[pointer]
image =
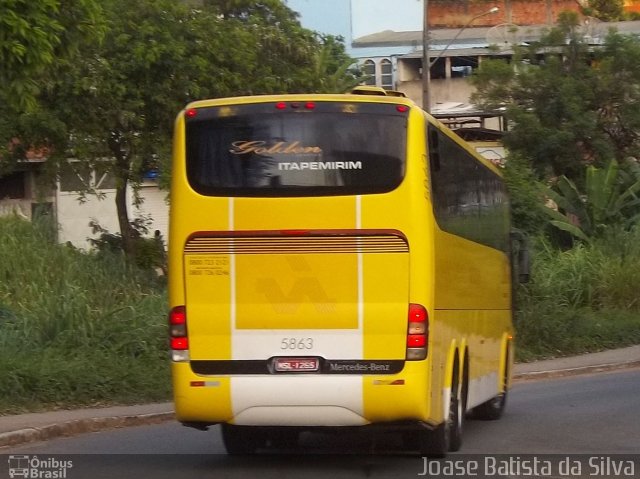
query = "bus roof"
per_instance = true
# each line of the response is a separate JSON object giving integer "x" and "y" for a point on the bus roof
{"x": 358, "y": 94}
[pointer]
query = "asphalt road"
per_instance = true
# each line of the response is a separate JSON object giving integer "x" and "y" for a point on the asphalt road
{"x": 593, "y": 415}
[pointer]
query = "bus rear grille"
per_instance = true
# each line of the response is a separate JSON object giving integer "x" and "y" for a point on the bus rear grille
{"x": 297, "y": 245}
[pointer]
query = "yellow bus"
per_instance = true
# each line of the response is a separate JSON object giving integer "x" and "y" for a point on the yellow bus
{"x": 335, "y": 261}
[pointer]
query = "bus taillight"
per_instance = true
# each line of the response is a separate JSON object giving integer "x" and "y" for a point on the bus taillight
{"x": 309, "y": 105}
{"x": 417, "y": 332}
{"x": 178, "y": 333}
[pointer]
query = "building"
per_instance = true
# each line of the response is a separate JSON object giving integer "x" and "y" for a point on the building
{"x": 632, "y": 6}
{"x": 22, "y": 193}
{"x": 459, "y": 30}
{"x": 461, "y": 34}
{"x": 455, "y": 54}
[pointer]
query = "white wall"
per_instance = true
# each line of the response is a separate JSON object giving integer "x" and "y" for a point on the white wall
{"x": 74, "y": 216}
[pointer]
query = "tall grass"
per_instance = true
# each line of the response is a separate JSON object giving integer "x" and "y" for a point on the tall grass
{"x": 581, "y": 300}
{"x": 76, "y": 328}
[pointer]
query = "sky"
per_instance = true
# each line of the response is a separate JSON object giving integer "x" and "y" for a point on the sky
{"x": 372, "y": 16}
{"x": 368, "y": 16}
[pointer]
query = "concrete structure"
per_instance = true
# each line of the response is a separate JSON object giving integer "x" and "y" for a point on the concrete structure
{"x": 21, "y": 194}
{"x": 455, "y": 53}
{"x": 632, "y": 6}
{"x": 456, "y": 13}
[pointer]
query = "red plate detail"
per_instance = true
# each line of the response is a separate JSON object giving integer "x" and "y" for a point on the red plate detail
{"x": 298, "y": 365}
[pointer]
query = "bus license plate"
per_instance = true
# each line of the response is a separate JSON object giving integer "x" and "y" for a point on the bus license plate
{"x": 296, "y": 364}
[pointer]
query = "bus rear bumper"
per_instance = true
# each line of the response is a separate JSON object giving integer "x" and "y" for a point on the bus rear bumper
{"x": 301, "y": 416}
{"x": 301, "y": 400}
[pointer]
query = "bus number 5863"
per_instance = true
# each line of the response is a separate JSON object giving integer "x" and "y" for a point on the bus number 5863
{"x": 296, "y": 343}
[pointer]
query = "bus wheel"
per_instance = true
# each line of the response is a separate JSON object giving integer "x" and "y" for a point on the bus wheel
{"x": 459, "y": 404}
{"x": 494, "y": 407}
{"x": 448, "y": 435}
{"x": 282, "y": 437}
{"x": 240, "y": 440}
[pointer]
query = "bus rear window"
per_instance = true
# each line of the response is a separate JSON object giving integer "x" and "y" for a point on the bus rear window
{"x": 264, "y": 150}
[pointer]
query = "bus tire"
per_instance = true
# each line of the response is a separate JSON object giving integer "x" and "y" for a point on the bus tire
{"x": 460, "y": 404}
{"x": 241, "y": 440}
{"x": 282, "y": 437}
{"x": 448, "y": 435}
{"x": 493, "y": 409}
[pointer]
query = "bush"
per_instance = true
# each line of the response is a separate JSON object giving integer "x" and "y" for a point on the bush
{"x": 581, "y": 300}
{"x": 76, "y": 328}
{"x": 526, "y": 196}
{"x": 149, "y": 252}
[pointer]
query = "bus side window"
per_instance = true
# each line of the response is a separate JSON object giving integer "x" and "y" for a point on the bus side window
{"x": 434, "y": 149}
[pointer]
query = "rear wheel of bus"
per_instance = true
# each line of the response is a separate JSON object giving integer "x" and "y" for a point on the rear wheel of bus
{"x": 448, "y": 435}
{"x": 240, "y": 440}
{"x": 248, "y": 439}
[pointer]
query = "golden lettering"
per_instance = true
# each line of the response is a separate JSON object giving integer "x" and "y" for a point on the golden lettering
{"x": 281, "y": 147}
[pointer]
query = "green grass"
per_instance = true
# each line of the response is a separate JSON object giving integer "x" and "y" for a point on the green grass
{"x": 581, "y": 300}
{"x": 76, "y": 329}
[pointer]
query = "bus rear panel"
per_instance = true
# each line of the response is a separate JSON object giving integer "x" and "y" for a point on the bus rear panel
{"x": 303, "y": 267}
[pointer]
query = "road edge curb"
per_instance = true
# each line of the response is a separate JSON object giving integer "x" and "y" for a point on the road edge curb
{"x": 559, "y": 373}
{"x": 80, "y": 426}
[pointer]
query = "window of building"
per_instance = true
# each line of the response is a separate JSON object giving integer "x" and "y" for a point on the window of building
{"x": 12, "y": 186}
{"x": 386, "y": 74}
{"x": 369, "y": 70}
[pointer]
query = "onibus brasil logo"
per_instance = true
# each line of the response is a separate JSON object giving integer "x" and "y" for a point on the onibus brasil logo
{"x": 32, "y": 467}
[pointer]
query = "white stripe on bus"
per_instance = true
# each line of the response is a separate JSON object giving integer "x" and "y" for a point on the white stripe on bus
{"x": 232, "y": 279}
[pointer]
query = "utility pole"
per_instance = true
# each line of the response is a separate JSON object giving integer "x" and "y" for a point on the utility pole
{"x": 426, "y": 61}
{"x": 426, "y": 58}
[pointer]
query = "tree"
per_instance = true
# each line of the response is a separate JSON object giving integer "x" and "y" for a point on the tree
{"x": 278, "y": 50}
{"x": 333, "y": 71}
{"x": 525, "y": 196}
{"x": 606, "y": 10}
{"x": 36, "y": 38}
{"x": 569, "y": 105}
{"x": 36, "y": 35}
{"x": 117, "y": 103}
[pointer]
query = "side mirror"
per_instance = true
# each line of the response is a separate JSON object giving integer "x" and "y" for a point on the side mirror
{"x": 520, "y": 256}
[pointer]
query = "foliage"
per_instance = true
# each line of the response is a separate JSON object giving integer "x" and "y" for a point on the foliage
{"x": 36, "y": 39}
{"x": 606, "y": 10}
{"x": 333, "y": 71}
{"x": 76, "y": 328}
{"x": 526, "y": 196}
{"x": 35, "y": 36}
{"x": 115, "y": 104}
{"x": 581, "y": 300}
{"x": 608, "y": 201}
{"x": 569, "y": 105}
{"x": 150, "y": 251}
